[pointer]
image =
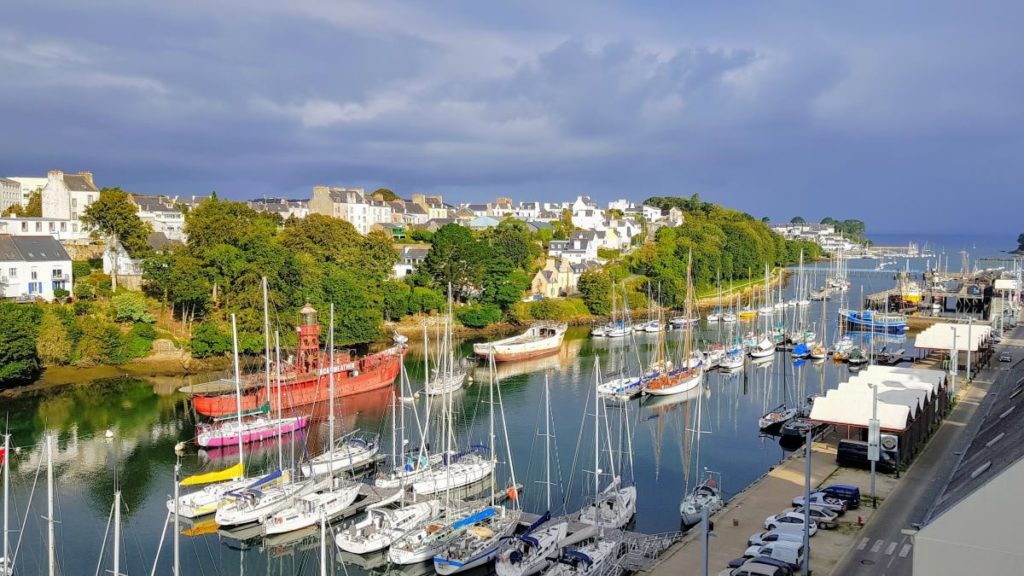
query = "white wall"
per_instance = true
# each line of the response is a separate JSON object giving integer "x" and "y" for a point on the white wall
{"x": 62, "y": 230}
{"x": 980, "y": 534}
{"x": 18, "y": 279}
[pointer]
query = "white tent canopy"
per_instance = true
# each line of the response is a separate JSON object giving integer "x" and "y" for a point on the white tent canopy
{"x": 935, "y": 378}
{"x": 940, "y": 337}
{"x": 851, "y": 406}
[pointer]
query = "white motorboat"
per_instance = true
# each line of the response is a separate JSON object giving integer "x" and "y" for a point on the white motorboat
{"x": 541, "y": 339}
{"x": 623, "y": 387}
{"x": 309, "y": 509}
{"x": 764, "y": 349}
{"x": 382, "y": 526}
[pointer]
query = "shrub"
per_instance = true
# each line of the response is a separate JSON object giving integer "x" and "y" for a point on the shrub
{"x": 85, "y": 290}
{"x": 209, "y": 340}
{"x": 143, "y": 330}
{"x": 479, "y": 315}
{"x": 18, "y": 359}
{"x": 80, "y": 269}
{"x": 424, "y": 300}
{"x": 82, "y": 308}
{"x": 130, "y": 307}
{"x": 608, "y": 253}
{"x": 101, "y": 343}
{"x": 596, "y": 288}
{"x": 560, "y": 309}
{"x": 53, "y": 344}
{"x": 60, "y": 293}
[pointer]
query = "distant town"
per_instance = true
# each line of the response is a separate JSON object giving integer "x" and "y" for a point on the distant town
{"x": 32, "y": 271}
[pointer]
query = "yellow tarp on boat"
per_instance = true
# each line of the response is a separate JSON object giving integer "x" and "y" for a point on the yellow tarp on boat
{"x": 235, "y": 471}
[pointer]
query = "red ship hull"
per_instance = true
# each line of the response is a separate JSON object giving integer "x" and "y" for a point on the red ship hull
{"x": 370, "y": 373}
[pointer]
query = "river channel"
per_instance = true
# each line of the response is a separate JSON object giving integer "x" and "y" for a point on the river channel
{"x": 146, "y": 417}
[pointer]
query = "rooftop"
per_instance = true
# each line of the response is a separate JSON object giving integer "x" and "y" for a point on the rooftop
{"x": 31, "y": 249}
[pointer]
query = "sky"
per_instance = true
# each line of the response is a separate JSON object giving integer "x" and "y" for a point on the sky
{"x": 907, "y": 115}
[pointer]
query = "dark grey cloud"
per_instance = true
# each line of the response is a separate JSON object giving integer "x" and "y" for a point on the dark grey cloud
{"x": 902, "y": 115}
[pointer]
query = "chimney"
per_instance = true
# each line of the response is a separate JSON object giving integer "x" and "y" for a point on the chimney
{"x": 55, "y": 176}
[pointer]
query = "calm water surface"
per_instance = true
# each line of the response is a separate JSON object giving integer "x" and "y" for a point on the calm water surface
{"x": 149, "y": 417}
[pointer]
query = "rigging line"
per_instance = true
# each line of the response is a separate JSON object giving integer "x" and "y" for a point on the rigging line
{"x": 575, "y": 458}
{"x": 21, "y": 533}
{"x": 103, "y": 544}
{"x": 160, "y": 546}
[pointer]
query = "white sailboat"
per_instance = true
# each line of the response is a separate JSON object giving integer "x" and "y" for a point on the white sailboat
{"x": 308, "y": 509}
{"x": 406, "y": 467}
{"x": 707, "y": 495}
{"x": 381, "y": 526}
{"x": 613, "y": 506}
{"x": 479, "y": 543}
{"x": 353, "y": 450}
{"x": 448, "y": 377}
{"x": 528, "y": 553}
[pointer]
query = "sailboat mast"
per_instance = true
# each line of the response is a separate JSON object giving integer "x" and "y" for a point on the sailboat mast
{"x": 597, "y": 442}
{"x": 238, "y": 389}
{"x": 51, "y": 550}
{"x": 266, "y": 340}
{"x": 330, "y": 415}
{"x": 547, "y": 448}
{"x": 7, "y": 495}
{"x": 494, "y": 461}
{"x": 277, "y": 369}
{"x": 177, "y": 496}
{"x": 117, "y": 532}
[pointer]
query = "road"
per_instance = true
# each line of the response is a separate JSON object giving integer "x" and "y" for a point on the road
{"x": 885, "y": 547}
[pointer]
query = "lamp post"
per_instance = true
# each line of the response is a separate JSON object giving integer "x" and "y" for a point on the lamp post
{"x": 874, "y": 433}
{"x": 970, "y": 324}
{"x": 807, "y": 503}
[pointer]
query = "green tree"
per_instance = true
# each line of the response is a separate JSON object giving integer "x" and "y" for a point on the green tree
{"x": 455, "y": 258}
{"x": 386, "y": 194}
{"x": 1020, "y": 242}
{"x": 209, "y": 340}
{"x": 511, "y": 239}
{"x": 798, "y": 220}
{"x": 356, "y": 318}
{"x": 215, "y": 222}
{"x": 595, "y": 286}
{"x": 18, "y": 359}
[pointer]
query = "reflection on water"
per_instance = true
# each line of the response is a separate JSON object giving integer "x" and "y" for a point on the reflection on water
{"x": 147, "y": 418}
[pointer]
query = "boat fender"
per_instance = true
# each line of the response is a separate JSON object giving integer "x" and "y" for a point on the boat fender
{"x": 355, "y": 373}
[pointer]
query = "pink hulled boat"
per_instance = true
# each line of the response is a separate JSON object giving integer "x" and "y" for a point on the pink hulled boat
{"x": 226, "y": 433}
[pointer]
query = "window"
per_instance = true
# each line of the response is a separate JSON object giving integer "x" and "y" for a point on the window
{"x": 34, "y": 275}
{"x": 24, "y": 226}
{"x": 63, "y": 226}
{"x": 57, "y": 273}
{"x": 13, "y": 272}
{"x": 74, "y": 202}
{"x": 39, "y": 226}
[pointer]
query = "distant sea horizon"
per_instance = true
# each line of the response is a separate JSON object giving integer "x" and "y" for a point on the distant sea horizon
{"x": 977, "y": 245}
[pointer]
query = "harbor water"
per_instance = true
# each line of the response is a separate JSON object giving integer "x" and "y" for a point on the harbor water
{"x": 653, "y": 443}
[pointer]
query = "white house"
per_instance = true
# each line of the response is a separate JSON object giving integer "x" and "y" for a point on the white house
{"x": 621, "y": 204}
{"x": 527, "y": 211}
{"x": 625, "y": 230}
{"x": 33, "y": 267}
{"x": 162, "y": 215}
{"x": 580, "y": 247}
{"x": 66, "y": 196}
{"x": 408, "y": 213}
{"x": 351, "y": 205}
{"x": 586, "y": 214}
{"x": 651, "y": 213}
{"x": 28, "y": 184}
{"x": 64, "y": 230}
{"x": 409, "y": 258}
{"x": 10, "y": 193}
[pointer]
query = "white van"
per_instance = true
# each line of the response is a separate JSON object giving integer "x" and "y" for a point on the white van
{"x": 791, "y": 553}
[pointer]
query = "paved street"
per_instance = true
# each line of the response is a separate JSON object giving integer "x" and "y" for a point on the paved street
{"x": 885, "y": 548}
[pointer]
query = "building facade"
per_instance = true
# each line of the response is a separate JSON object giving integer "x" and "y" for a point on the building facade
{"x": 351, "y": 205}
{"x": 66, "y": 196}
{"x": 33, "y": 267}
{"x": 10, "y": 193}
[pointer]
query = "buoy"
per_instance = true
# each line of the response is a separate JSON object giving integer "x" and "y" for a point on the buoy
{"x": 513, "y": 494}
{"x": 109, "y": 433}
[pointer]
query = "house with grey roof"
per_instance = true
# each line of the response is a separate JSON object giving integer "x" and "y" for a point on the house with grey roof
{"x": 66, "y": 196}
{"x": 33, "y": 267}
{"x": 409, "y": 259}
{"x": 283, "y": 207}
{"x": 162, "y": 214}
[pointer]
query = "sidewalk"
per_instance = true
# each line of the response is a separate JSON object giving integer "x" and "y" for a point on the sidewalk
{"x": 745, "y": 515}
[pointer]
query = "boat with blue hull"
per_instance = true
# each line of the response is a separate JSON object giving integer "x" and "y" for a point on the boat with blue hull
{"x": 871, "y": 321}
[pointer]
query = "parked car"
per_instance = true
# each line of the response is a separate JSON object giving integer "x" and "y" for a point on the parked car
{"x": 824, "y": 501}
{"x": 846, "y": 492}
{"x": 737, "y": 562}
{"x": 769, "y": 536}
{"x": 789, "y": 522}
{"x": 1005, "y": 357}
{"x": 756, "y": 567}
{"x": 825, "y": 518}
{"x": 792, "y": 553}
{"x": 854, "y": 454}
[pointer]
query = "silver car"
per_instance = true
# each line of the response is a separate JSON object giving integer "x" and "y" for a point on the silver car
{"x": 823, "y": 500}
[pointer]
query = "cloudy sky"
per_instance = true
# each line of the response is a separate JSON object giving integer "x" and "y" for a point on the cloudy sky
{"x": 910, "y": 117}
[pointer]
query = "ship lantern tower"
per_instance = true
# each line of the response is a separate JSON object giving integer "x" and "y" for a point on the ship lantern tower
{"x": 309, "y": 340}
